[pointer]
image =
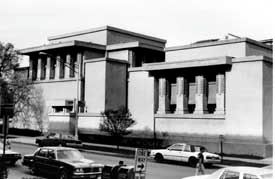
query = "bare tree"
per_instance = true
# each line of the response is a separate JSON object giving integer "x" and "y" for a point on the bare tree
{"x": 116, "y": 123}
{"x": 17, "y": 88}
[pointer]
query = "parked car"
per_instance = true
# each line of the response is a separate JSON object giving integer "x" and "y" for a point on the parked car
{"x": 63, "y": 162}
{"x": 237, "y": 173}
{"x": 185, "y": 153}
{"x": 57, "y": 139}
{"x": 11, "y": 157}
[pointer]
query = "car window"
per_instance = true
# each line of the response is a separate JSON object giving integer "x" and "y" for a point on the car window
{"x": 187, "y": 148}
{"x": 249, "y": 176}
{"x": 42, "y": 153}
{"x": 230, "y": 175}
{"x": 51, "y": 154}
{"x": 176, "y": 147}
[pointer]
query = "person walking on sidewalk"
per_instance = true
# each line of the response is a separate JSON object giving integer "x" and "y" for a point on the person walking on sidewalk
{"x": 200, "y": 165}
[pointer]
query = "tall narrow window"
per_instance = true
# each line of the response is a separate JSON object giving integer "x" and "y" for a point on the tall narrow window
{"x": 73, "y": 65}
{"x": 52, "y": 68}
{"x": 211, "y": 103}
{"x": 192, "y": 92}
{"x": 62, "y": 67}
{"x": 43, "y": 68}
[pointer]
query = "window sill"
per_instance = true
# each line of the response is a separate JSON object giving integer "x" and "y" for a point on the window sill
{"x": 191, "y": 116}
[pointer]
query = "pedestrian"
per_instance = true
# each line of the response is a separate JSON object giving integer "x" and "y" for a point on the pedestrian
{"x": 200, "y": 165}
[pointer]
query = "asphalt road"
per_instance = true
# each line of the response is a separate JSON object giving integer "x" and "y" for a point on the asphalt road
{"x": 166, "y": 170}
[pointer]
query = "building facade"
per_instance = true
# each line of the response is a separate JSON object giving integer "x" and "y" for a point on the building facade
{"x": 195, "y": 93}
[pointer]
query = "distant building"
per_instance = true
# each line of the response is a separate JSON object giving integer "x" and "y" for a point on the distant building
{"x": 195, "y": 92}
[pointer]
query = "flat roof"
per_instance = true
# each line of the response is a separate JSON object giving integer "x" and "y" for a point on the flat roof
{"x": 62, "y": 45}
{"x": 106, "y": 28}
{"x": 219, "y": 42}
{"x": 133, "y": 45}
{"x": 224, "y": 60}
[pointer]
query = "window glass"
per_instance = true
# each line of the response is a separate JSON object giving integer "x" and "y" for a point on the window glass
{"x": 176, "y": 147}
{"x": 249, "y": 176}
{"x": 51, "y": 154}
{"x": 43, "y": 153}
{"x": 230, "y": 175}
{"x": 187, "y": 148}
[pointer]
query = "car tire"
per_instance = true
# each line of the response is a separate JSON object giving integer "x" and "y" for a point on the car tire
{"x": 193, "y": 162}
{"x": 159, "y": 157}
{"x": 33, "y": 170}
{"x": 63, "y": 175}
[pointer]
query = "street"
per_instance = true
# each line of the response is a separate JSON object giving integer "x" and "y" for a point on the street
{"x": 155, "y": 170}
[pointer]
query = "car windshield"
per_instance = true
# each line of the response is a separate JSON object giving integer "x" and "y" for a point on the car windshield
{"x": 69, "y": 154}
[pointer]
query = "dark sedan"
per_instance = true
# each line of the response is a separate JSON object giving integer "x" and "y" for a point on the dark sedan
{"x": 57, "y": 139}
{"x": 63, "y": 162}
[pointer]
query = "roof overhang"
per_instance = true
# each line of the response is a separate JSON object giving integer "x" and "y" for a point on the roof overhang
{"x": 219, "y": 42}
{"x": 73, "y": 43}
{"x": 130, "y": 45}
{"x": 215, "y": 61}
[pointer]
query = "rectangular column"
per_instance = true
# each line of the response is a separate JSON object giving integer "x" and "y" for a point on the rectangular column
{"x": 31, "y": 73}
{"x": 67, "y": 66}
{"x": 220, "y": 86}
{"x": 78, "y": 75}
{"x": 57, "y": 68}
{"x": 164, "y": 102}
{"x": 201, "y": 95}
{"x": 182, "y": 96}
{"x": 48, "y": 68}
{"x": 39, "y": 69}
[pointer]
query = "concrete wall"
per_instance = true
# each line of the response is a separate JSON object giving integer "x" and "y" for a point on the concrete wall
{"x": 95, "y": 78}
{"x": 267, "y": 101}
{"x": 252, "y": 49}
{"x": 98, "y": 37}
{"x": 190, "y": 125}
{"x": 141, "y": 99}
{"x": 88, "y": 122}
{"x": 116, "y": 37}
{"x": 244, "y": 100}
{"x": 58, "y": 90}
{"x": 116, "y": 85}
{"x": 234, "y": 50}
{"x": 61, "y": 123}
{"x": 122, "y": 54}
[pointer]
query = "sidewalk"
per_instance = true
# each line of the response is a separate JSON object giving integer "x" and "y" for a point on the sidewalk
{"x": 129, "y": 152}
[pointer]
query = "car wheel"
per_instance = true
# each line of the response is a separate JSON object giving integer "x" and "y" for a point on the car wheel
{"x": 33, "y": 170}
{"x": 159, "y": 157}
{"x": 192, "y": 161}
{"x": 63, "y": 175}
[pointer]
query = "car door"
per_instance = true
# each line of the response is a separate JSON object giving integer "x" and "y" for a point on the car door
{"x": 174, "y": 152}
{"x": 186, "y": 153}
{"x": 40, "y": 160}
{"x": 52, "y": 164}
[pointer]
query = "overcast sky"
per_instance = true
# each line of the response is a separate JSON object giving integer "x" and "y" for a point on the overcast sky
{"x": 27, "y": 23}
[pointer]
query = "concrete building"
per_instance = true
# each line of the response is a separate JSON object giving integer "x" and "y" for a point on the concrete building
{"x": 195, "y": 93}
